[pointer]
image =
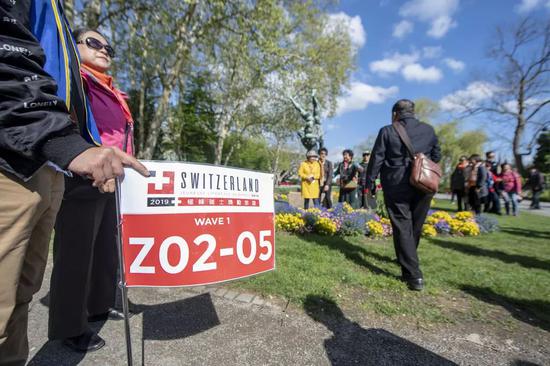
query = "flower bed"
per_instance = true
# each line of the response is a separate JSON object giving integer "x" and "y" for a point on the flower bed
{"x": 345, "y": 221}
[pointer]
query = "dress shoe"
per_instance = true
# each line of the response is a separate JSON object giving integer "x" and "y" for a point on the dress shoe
{"x": 112, "y": 314}
{"x": 88, "y": 341}
{"x": 415, "y": 284}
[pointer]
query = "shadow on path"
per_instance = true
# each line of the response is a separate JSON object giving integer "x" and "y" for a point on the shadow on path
{"x": 353, "y": 252}
{"x": 178, "y": 319}
{"x": 351, "y": 344}
{"x": 533, "y": 312}
{"x": 522, "y": 260}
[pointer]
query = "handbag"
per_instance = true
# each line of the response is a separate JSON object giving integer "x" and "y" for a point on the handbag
{"x": 425, "y": 174}
{"x": 350, "y": 186}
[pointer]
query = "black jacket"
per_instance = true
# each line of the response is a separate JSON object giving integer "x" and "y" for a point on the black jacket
{"x": 390, "y": 158}
{"x": 34, "y": 122}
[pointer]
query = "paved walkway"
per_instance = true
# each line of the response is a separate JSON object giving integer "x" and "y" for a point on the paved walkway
{"x": 523, "y": 205}
{"x": 217, "y": 326}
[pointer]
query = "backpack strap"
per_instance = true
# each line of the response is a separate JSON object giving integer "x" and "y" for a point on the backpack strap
{"x": 400, "y": 129}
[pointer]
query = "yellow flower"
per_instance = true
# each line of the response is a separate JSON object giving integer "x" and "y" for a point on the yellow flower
{"x": 325, "y": 226}
{"x": 455, "y": 225}
{"x": 428, "y": 231}
{"x": 432, "y": 220}
{"x": 385, "y": 221}
{"x": 347, "y": 207}
{"x": 284, "y": 197}
{"x": 464, "y": 216}
{"x": 375, "y": 228}
{"x": 314, "y": 210}
{"x": 470, "y": 229}
{"x": 289, "y": 222}
{"x": 441, "y": 215}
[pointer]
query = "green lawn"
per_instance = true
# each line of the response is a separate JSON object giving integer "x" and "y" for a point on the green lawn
{"x": 466, "y": 277}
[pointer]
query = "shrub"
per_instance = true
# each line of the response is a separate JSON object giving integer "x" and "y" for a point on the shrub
{"x": 487, "y": 224}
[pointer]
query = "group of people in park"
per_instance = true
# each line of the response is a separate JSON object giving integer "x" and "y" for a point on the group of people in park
{"x": 480, "y": 185}
{"x": 317, "y": 174}
{"x": 66, "y": 133}
{"x": 407, "y": 206}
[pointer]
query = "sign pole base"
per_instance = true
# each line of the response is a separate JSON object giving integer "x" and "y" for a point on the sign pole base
{"x": 122, "y": 283}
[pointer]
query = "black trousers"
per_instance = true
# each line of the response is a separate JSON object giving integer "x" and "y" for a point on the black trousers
{"x": 407, "y": 209}
{"x": 84, "y": 275}
{"x": 460, "y": 194}
{"x": 325, "y": 198}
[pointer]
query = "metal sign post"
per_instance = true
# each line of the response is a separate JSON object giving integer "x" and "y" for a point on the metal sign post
{"x": 122, "y": 282}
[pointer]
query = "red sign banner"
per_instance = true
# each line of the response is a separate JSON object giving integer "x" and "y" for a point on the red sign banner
{"x": 193, "y": 224}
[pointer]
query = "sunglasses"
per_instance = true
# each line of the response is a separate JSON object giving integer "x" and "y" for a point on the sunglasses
{"x": 95, "y": 44}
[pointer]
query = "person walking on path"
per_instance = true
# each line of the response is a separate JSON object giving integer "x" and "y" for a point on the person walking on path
{"x": 327, "y": 171}
{"x": 85, "y": 230}
{"x": 310, "y": 174}
{"x": 535, "y": 182}
{"x": 349, "y": 175}
{"x": 39, "y": 144}
{"x": 458, "y": 182}
{"x": 477, "y": 183}
{"x": 407, "y": 206}
{"x": 511, "y": 189}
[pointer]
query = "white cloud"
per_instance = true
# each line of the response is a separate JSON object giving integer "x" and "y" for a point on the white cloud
{"x": 438, "y": 13}
{"x": 527, "y": 5}
{"x": 440, "y": 26}
{"x": 353, "y": 25}
{"x": 454, "y": 65}
{"x": 432, "y": 52}
{"x": 417, "y": 72}
{"x": 402, "y": 28}
{"x": 470, "y": 97}
{"x": 331, "y": 126}
{"x": 394, "y": 63}
{"x": 360, "y": 95}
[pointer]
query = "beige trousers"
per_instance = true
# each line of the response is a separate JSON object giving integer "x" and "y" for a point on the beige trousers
{"x": 27, "y": 216}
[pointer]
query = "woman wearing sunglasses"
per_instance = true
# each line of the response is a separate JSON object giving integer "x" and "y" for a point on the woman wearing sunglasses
{"x": 83, "y": 284}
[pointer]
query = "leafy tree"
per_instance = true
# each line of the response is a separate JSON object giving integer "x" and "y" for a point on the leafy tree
{"x": 455, "y": 143}
{"x": 542, "y": 156}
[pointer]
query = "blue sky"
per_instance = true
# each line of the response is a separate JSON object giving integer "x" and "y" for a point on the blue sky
{"x": 415, "y": 49}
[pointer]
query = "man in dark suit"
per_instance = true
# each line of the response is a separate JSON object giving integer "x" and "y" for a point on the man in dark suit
{"x": 407, "y": 206}
{"x": 327, "y": 172}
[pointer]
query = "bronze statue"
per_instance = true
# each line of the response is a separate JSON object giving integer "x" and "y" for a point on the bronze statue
{"x": 312, "y": 135}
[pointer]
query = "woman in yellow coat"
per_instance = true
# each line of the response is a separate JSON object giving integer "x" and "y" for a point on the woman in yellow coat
{"x": 310, "y": 173}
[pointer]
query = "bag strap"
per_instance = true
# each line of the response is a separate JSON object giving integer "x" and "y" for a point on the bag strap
{"x": 400, "y": 129}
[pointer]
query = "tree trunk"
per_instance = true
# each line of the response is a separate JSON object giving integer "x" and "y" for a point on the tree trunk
{"x": 520, "y": 128}
{"x": 222, "y": 134}
{"x": 153, "y": 132}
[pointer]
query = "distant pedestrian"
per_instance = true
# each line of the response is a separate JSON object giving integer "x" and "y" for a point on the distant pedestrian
{"x": 492, "y": 202}
{"x": 310, "y": 173}
{"x": 477, "y": 184}
{"x": 535, "y": 183}
{"x": 407, "y": 206}
{"x": 458, "y": 182}
{"x": 367, "y": 201}
{"x": 349, "y": 176}
{"x": 327, "y": 171}
{"x": 511, "y": 184}
{"x": 490, "y": 157}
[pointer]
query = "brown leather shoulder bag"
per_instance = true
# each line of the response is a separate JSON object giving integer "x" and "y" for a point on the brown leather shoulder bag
{"x": 425, "y": 174}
